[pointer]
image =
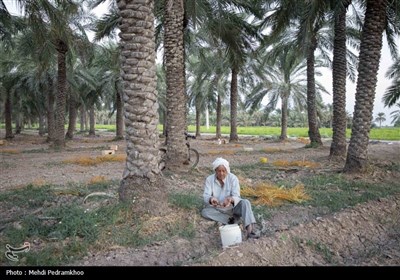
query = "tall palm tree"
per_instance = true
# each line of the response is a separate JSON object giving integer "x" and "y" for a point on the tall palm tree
{"x": 281, "y": 77}
{"x": 379, "y": 15}
{"x": 174, "y": 55}
{"x": 140, "y": 95}
{"x": 339, "y": 145}
{"x": 55, "y": 23}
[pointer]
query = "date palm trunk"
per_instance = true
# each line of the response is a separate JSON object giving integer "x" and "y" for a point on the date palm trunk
{"x": 313, "y": 131}
{"x": 50, "y": 112}
{"x": 233, "y": 137}
{"x": 339, "y": 145}
{"x": 176, "y": 101}
{"x": 72, "y": 115}
{"x": 59, "y": 135}
{"x": 120, "y": 116}
{"x": 219, "y": 117}
{"x": 369, "y": 57}
{"x": 138, "y": 64}
{"x": 8, "y": 113}
{"x": 284, "y": 121}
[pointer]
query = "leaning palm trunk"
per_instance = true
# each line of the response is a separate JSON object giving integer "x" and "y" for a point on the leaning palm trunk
{"x": 338, "y": 146}
{"x": 370, "y": 54}
{"x": 59, "y": 135}
{"x": 138, "y": 59}
{"x": 175, "y": 79}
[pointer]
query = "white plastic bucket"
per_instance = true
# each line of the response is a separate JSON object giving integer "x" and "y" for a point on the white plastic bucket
{"x": 230, "y": 235}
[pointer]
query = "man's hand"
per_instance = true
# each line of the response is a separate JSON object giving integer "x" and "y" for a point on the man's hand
{"x": 227, "y": 201}
{"x": 214, "y": 201}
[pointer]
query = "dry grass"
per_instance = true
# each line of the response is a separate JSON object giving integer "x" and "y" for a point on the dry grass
{"x": 303, "y": 140}
{"x": 221, "y": 152}
{"x": 10, "y": 151}
{"x": 299, "y": 163}
{"x": 89, "y": 161}
{"x": 270, "y": 150}
{"x": 38, "y": 182}
{"x": 97, "y": 179}
{"x": 268, "y": 194}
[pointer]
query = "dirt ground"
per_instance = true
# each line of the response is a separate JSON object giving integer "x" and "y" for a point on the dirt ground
{"x": 365, "y": 235}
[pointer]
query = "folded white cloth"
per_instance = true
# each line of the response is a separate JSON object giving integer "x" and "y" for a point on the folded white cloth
{"x": 221, "y": 161}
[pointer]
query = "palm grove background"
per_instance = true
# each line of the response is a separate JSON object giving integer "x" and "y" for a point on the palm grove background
{"x": 223, "y": 62}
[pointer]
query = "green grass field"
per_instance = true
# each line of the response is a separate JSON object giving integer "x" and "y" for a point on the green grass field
{"x": 386, "y": 133}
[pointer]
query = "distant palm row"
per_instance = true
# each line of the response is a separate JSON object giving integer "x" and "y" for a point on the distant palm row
{"x": 241, "y": 53}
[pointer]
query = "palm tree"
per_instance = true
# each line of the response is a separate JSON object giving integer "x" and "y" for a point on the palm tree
{"x": 395, "y": 115}
{"x": 55, "y": 24}
{"x": 392, "y": 94}
{"x": 339, "y": 146}
{"x": 140, "y": 95}
{"x": 380, "y": 118}
{"x": 174, "y": 56}
{"x": 379, "y": 14}
{"x": 309, "y": 16}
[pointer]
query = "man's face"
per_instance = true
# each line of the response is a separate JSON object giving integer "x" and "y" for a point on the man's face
{"x": 221, "y": 172}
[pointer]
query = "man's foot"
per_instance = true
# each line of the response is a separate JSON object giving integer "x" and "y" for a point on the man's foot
{"x": 251, "y": 232}
{"x": 253, "y": 235}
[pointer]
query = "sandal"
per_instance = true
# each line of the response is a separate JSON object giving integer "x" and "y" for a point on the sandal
{"x": 253, "y": 235}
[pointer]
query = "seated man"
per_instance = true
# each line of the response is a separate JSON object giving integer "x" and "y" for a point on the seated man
{"x": 222, "y": 198}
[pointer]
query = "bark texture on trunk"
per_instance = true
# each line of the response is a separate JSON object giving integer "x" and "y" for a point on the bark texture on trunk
{"x": 233, "y": 137}
{"x": 313, "y": 130}
{"x": 370, "y": 55}
{"x": 339, "y": 73}
{"x": 59, "y": 135}
{"x": 176, "y": 85}
{"x": 138, "y": 63}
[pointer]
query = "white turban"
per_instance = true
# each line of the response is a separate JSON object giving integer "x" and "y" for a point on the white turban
{"x": 221, "y": 161}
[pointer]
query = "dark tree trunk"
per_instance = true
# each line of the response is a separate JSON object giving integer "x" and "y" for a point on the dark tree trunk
{"x": 339, "y": 145}
{"x": 82, "y": 118}
{"x": 50, "y": 112}
{"x": 8, "y": 114}
{"x": 42, "y": 124}
{"x": 72, "y": 109}
{"x": 120, "y": 116}
{"x": 176, "y": 84}
{"x": 369, "y": 58}
{"x": 92, "y": 121}
{"x": 313, "y": 131}
{"x": 234, "y": 100}
{"x": 59, "y": 137}
{"x": 284, "y": 108}
{"x": 219, "y": 117}
{"x": 198, "y": 115}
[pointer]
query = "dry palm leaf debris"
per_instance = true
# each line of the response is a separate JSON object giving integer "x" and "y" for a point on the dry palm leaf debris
{"x": 221, "y": 152}
{"x": 267, "y": 194}
{"x": 300, "y": 163}
{"x": 87, "y": 161}
{"x": 303, "y": 140}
